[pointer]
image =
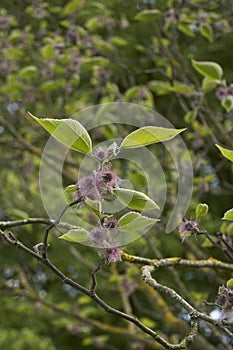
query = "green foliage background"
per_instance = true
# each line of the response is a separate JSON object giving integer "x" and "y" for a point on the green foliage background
{"x": 58, "y": 57}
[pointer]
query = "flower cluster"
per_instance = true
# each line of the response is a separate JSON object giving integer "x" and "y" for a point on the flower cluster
{"x": 104, "y": 236}
{"x": 188, "y": 227}
{"x": 224, "y": 298}
{"x": 224, "y": 92}
{"x": 96, "y": 185}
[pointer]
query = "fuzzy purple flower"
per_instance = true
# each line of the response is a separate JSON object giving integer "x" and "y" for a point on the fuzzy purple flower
{"x": 224, "y": 298}
{"x": 188, "y": 227}
{"x": 221, "y": 93}
{"x": 101, "y": 154}
{"x": 112, "y": 254}
{"x": 97, "y": 235}
{"x": 111, "y": 223}
{"x": 230, "y": 90}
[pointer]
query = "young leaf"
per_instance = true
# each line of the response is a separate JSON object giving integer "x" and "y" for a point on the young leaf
{"x": 208, "y": 69}
{"x": 201, "y": 210}
{"x": 75, "y": 235}
{"x": 230, "y": 283}
{"x": 135, "y": 200}
{"x": 148, "y": 15}
{"x": 228, "y": 215}
{"x": 209, "y": 83}
{"x": 225, "y": 152}
{"x": 227, "y": 103}
{"x": 68, "y": 131}
{"x": 71, "y": 188}
{"x": 207, "y": 32}
{"x": 148, "y": 135}
{"x": 134, "y": 221}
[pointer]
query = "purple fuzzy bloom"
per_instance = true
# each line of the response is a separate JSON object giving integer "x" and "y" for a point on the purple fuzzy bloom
{"x": 230, "y": 90}
{"x": 101, "y": 154}
{"x": 188, "y": 226}
{"x": 97, "y": 235}
{"x": 224, "y": 298}
{"x": 112, "y": 254}
{"x": 221, "y": 93}
{"x": 111, "y": 223}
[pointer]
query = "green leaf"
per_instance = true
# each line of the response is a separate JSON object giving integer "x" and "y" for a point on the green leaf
{"x": 208, "y": 69}
{"x": 75, "y": 235}
{"x": 209, "y": 83}
{"x": 28, "y": 72}
{"x": 148, "y": 15}
{"x": 148, "y": 135}
{"x": 68, "y": 131}
{"x": 185, "y": 28}
{"x": 227, "y": 153}
{"x": 227, "y": 103}
{"x": 207, "y": 32}
{"x": 180, "y": 88}
{"x": 135, "y": 200}
{"x": 48, "y": 52}
{"x": 160, "y": 87}
{"x": 134, "y": 221}
{"x": 190, "y": 116}
{"x": 118, "y": 41}
{"x": 201, "y": 210}
{"x": 95, "y": 61}
{"x": 50, "y": 85}
{"x": 94, "y": 206}
{"x": 228, "y": 215}
{"x": 230, "y": 283}
{"x": 71, "y": 188}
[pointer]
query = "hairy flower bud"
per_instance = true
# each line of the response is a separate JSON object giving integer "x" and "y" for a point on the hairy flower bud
{"x": 188, "y": 227}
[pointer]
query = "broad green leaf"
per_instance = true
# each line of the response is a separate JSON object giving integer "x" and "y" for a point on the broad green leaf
{"x": 228, "y": 215}
{"x": 148, "y": 135}
{"x": 148, "y": 15}
{"x": 185, "y": 28}
{"x": 28, "y": 72}
{"x": 225, "y": 152}
{"x": 135, "y": 200}
{"x": 50, "y": 85}
{"x": 207, "y": 32}
{"x": 71, "y": 188}
{"x": 75, "y": 235}
{"x": 227, "y": 103}
{"x": 160, "y": 87}
{"x": 180, "y": 88}
{"x": 48, "y": 52}
{"x": 118, "y": 41}
{"x": 95, "y": 61}
{"x": 230, "y": 283}
{"x": 134, "y": 221}
{"x": 209, "y": 83}
{"x": 201, "y": 210}
{"x": 208, "y": 69}
{"x": 68, "y": 131}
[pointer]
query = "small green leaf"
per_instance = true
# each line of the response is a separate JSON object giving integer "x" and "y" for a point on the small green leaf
{"x": 230, "y": 283}
{"x": 95, "y": 61}
{"x": 227, "y": 153}
{"x": 228, "y": 215}
{"x": 209, "y": 83}
{"x": 148, "y": 135}
{"x": 118, "y": 41}
{"x": 208, "y": 69}
{"x": 201, "y": 210}
{"x": 190, "y": 116}
{"x": 185, "y": 28}
{"x": 95, "y": 206}
{"x": 75, "y": 235}
{"x": 68, "y": 131}
{"x": 48, "y": 52}
{"x": 28, "y": 72}
{"x": 134, "y": 221}
{"x": 227, "y": 103}
{"x": 71, "y": 188}
{"x": 135, "y": 200}
{"x": 50, "y": 85}
{"x": 207, "y": 32}
{"x": 148, "y": 15}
